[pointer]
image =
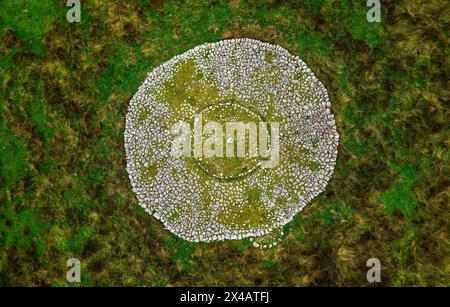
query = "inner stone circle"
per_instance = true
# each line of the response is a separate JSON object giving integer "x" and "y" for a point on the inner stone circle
{"x": 229, "y": 168}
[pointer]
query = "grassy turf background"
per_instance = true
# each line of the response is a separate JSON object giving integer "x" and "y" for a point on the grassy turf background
{"x": 64, "y": 190}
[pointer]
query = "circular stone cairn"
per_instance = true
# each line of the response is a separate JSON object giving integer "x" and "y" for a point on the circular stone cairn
{"x": 218, "y": 198}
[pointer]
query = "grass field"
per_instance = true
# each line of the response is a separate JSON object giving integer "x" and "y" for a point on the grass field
{"x": 64, "y": 189}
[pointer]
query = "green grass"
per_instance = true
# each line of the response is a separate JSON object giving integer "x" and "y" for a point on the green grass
{"x": 64, "y": 190}
{"x": 399, "y": 196}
